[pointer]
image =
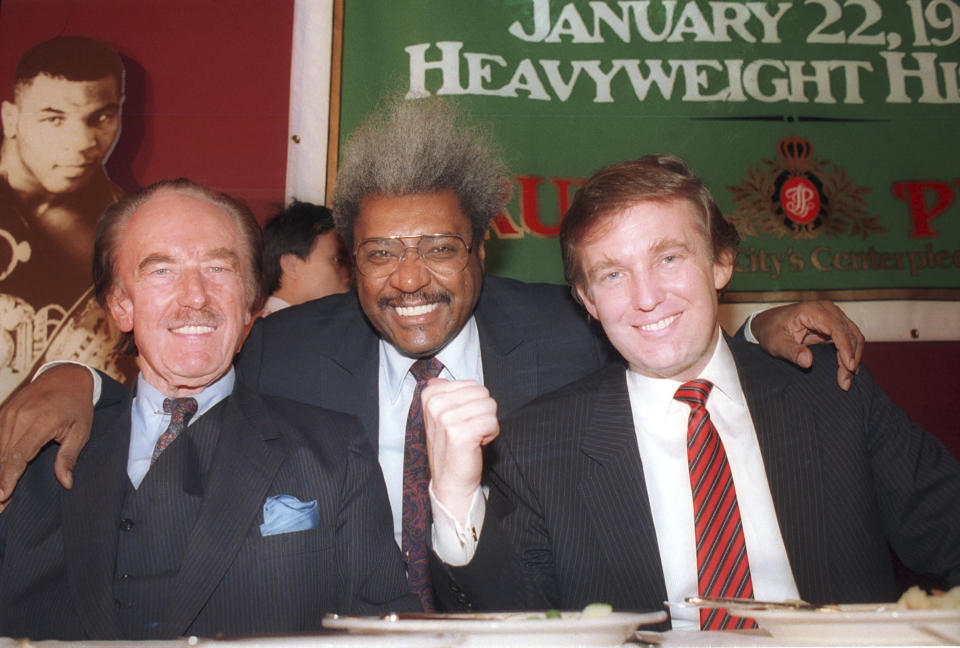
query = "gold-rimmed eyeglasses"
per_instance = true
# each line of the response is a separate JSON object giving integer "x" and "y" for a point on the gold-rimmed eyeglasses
{"x": 442, "y": 253}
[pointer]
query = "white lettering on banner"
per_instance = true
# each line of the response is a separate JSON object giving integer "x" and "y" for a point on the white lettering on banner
{"x": 923, "y": 77}
{"x": 725, "y": 18}
{"x": 733, "y": 80}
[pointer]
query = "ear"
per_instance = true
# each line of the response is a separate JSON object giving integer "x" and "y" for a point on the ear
{"x": 588, "y": 303}
{"x": 481, "y": 252}
{"x": 9, "y": 114}
{"x": 121, "y": 309}
{"x": 289, "y": 265}
{"x": 723, "y": 269}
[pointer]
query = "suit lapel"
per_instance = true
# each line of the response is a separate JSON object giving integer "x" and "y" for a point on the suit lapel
{"x": 509, "y": 361}
{"x": 356, "y": 391}
{"x": 615, "y": 494}
{"x": 91, "y": 515}
{"x": 787, "y": 435}
{"x": 248, "y": 445}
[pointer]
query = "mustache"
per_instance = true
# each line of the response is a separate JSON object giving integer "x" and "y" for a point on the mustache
{"x": 205, "y": 316}
{"x": 415, "y": 299}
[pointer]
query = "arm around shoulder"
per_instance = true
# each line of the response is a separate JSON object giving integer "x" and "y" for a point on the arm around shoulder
{"x": 56, "y": 406}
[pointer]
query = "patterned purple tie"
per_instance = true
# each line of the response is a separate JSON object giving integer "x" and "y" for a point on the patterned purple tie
{"x": 416, "y": 481}
{"x": 180, "y": 411}
{"x": 722, "y": 565}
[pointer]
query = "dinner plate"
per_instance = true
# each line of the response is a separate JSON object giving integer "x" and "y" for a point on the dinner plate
{"x": 859, "y": 624}
{"x": 509, "y": 628}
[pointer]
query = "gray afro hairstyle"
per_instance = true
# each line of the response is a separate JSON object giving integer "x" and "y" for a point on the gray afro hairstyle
{"x": 419, "y": 147}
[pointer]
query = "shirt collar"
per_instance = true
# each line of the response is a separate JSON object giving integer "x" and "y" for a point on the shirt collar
{"x": 460, "y": 358}
{"x": 149, "y": 399}
{"x": 273, "y": 304}
{"x": 721, "y": 370}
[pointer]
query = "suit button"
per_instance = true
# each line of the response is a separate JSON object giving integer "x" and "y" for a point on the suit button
{"x": 126, "y": 524}
{"x": 462, "y": 598}
{"x": 124, "y": 577}
{"x": 454, "y": 588}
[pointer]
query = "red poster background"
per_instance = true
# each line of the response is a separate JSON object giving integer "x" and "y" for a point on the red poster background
{"x": 207, "y": 85}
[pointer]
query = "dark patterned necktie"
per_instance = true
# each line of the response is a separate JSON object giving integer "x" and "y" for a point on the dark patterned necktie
{"x": 416, "y": 481}
{"x": 722, "y": 565}
{"x": 180, "y": 411}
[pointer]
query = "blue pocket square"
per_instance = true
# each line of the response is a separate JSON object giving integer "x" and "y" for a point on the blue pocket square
{"x": 285, "y": 513}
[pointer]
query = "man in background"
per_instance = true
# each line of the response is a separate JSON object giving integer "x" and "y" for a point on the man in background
{"x": 705, "y": 467}
{"x": 199, "y": 507}
{"x": 59, "y": 127}
{"x": 303, "y": 257}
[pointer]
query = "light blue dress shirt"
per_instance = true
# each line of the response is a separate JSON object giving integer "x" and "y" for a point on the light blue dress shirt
{"x": 148, "y": 420}
{"x": 461, "y": 361}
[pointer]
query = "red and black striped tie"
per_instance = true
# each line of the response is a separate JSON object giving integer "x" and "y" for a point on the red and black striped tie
{"x": 722, "y": 565}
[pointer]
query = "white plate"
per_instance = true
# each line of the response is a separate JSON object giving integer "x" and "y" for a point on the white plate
{"x": 510, "y": 628}
{"x": 860, "y": 624}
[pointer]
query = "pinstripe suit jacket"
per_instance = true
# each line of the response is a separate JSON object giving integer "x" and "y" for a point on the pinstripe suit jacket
{"x": 58, "y": 548}
{"x": 851, "y": 477}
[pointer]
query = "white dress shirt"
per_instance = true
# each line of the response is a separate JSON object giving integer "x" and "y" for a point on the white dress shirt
{"x": 461, "y": 361}
{"x": 272, "y": 305}
{"x": 148, "y": 420}
{"x": 661, "y": 425}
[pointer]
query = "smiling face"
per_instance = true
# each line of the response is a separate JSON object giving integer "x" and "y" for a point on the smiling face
{"x": 182, "y": 272}
{"x": 415, "y": 309}
{"x": 652, "y": 283}
{"x": 62, "y": 132}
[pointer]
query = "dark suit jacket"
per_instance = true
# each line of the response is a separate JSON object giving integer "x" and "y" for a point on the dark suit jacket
{"x": 533, "y": 339}
{"x": 568, "y": 520}
{"x": 58, "y": 548}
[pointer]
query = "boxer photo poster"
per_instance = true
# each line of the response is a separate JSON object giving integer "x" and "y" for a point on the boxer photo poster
{"x": 104, "y": 96}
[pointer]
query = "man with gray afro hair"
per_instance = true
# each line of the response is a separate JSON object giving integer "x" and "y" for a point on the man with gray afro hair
{"x": 421, "y": 147}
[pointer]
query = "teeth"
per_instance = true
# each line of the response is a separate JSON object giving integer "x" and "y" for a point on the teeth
{"x": 193, "y": 330}
{"x": 656, "y": 326}
{"x": 414, "y": 311}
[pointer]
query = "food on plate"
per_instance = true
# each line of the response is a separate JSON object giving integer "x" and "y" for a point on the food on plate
{"x": 592, "y": 611}
{"x": 916, "y": 598}
{"x": 595, "y": 610}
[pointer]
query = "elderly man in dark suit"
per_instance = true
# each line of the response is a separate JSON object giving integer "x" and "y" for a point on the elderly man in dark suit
{"x": 415, "y": 193}
{"x": 259, "y": 517}
{"x": 703, "y": 467}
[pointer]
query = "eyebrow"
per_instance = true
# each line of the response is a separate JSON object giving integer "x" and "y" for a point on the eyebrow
{"x": 665, "y": 244}
{"x": 224, "y": 253}
{"x": 109, "y": 107}
{"x": 658, "y": 247}
{"x": 603, "y": 264}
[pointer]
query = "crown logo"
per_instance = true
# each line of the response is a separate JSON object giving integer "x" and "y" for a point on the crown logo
{"x": 800, "y": 196}
{"x": 795, "y": 151}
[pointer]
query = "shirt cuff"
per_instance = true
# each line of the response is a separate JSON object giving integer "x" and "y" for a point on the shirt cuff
{"x": 97, "y": 380}
{"x": 748, "y": 330}
{"x": 453, "y": 542}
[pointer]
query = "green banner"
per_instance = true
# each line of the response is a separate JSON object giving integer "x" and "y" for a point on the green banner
{"x": 829, "y": 130}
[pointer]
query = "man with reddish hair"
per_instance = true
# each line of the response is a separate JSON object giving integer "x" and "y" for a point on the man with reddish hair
{"x": 702, "y": 468}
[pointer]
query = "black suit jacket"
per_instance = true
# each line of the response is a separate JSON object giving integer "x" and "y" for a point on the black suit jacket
{"x": 568, "y": 519}
{"x": 533, "y": 339}
{"x": 58, "y": 548}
